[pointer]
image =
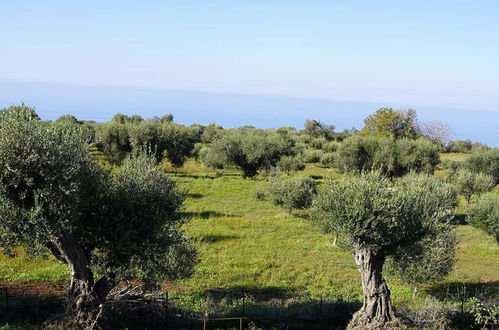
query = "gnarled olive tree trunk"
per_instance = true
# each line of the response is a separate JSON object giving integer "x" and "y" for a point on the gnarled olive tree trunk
{"x": 377, "y": 310}
{"x": 85, "y": 296}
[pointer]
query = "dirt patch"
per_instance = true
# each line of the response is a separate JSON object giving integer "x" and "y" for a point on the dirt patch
{"x": 34, "y": 288}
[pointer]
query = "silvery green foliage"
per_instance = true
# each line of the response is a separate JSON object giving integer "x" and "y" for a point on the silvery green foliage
{"x": 484, "y": 161}
{"x": 50, "y": 187}
{"x": 391, "y": 157}
{"x": 160, "y": 139}
{"x": 288, "y": 164}
{"x": 484, "y": 214}
{"x": 250, "y": 149}
{"x": 427, "y": 260}
{"x": 469, "y": 183}
{"x": 383, "y": 215}
{"x": 292, "y": 192}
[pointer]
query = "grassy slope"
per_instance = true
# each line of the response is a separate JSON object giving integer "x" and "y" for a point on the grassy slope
{"x": 252, "y": 246}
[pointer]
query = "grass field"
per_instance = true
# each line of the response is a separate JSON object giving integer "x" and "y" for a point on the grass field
{"x": 251, "y": 247}
{"x": 457, "y": 156}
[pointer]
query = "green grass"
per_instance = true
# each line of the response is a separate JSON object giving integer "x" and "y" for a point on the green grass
{"x": 26, "y": 268}
{"x": 457, "y": 156}
{"x": 249, "y": 246}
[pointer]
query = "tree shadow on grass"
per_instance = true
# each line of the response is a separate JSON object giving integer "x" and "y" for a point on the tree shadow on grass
{"x": 274, "y": 308}
{"x": 459, "y": 219}
{"x": 216, "y": 238}
{"x": 194, "y": 195}
{"x": 208, "y": 214}
{"x": 203, "y": 176}
{"x": 29, "y": 310}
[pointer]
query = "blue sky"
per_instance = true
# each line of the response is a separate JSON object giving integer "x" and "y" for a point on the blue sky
{"x": 414, "y": 53}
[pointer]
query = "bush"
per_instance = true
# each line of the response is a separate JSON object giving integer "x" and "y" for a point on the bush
{"x": 484, "y": 214}
{"x": 292, "y": 193}
{"x": 260, "y": 193}
{"x": 312, "y": 156}
{"x": 450, "y": 165}
{"x": 290, "y": 163}
{"x": 328, "y": 159}
{"x": 469, "y": 183}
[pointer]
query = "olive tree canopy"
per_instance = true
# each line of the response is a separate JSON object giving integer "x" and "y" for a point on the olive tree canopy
{"x": 55, "y": 199}
{"x": 380, "y": 218}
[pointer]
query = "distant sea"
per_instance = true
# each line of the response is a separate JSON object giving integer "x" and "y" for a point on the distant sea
{"x": 229, "y": 110}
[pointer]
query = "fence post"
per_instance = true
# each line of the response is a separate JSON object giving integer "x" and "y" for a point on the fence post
{"x": 244, "y": 306}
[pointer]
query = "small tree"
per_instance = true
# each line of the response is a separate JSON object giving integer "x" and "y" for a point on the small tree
{"x": 379, "y": 218}
{"x": 114, "y": 138}
{"x": 392, "y": 157}
{"x": 394, "y": 123}
{"x": 437, "y": 131}
{"x": 251, "y": 150}
{"x": 293, "y": 192}
{"x": 484, "y": 214}
{"x": 486, "y": 161}
{"x": 55, "y": 199}
{"x": 469, "y": 183}
{"x": 288, "y": 164}
{"x": 317, "y": 129}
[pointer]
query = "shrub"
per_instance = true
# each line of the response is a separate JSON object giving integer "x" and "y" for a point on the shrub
{"x": 484, "y": 214}
{"x": 260, "y": 193}
{"x": 293, "y": 192}
{"x": 290, "y": 163}
{"x": 450, "y": 165}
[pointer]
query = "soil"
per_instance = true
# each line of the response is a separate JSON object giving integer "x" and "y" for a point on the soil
{"x": 34, "y": 288}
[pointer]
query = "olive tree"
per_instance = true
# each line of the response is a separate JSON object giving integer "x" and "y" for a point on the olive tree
{"x": 486, "y": 162}
{"x": 380, "y": 218}
{"x": 469, "y": 183}
{"x": 484, "y": 214}
{"x": 318, "y": 129}
{"x": 114, "y": 138}
{"x": 250, "y": 149}
{"x": 55, "y": 199}
{"x": 392, "y": 157}
{"x": 158, "y": 138}
{"x": 288, "y": 164}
